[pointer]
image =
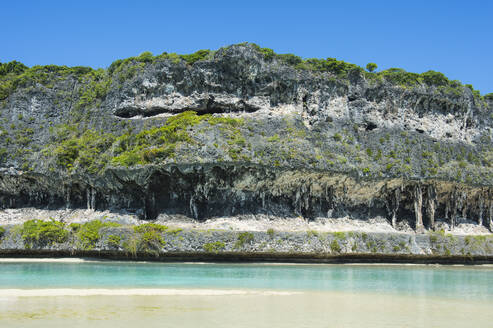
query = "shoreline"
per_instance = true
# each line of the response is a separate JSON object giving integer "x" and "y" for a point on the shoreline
{"x": 154, "y": 242}
{"x": 62, "y": 256}
{"x": 76, "y": 260}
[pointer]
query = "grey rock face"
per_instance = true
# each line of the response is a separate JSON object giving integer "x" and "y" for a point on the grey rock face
{"x": 310, "y": 143}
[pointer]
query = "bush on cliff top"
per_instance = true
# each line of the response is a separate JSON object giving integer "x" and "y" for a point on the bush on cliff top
{"x": 341, "y": 69}
{"x": 196, "y": 56}
{"x": 15, "y": 74}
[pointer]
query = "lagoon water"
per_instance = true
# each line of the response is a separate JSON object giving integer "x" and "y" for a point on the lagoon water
{"x": 126, "y": 294}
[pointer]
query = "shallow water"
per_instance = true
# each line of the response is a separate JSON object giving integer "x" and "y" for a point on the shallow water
{"x": 241, "y": 295}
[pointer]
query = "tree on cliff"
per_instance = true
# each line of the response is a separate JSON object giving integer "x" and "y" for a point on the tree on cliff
{"x": 371, "y": 67}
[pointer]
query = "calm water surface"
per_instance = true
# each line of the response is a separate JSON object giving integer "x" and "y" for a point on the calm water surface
{"x": 319, "y": 295}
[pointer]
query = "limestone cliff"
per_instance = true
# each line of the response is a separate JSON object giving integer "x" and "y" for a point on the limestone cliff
{"x": 242, "y": 130}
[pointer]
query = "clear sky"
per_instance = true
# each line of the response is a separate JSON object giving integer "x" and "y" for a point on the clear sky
{"x": 453, "y": 37}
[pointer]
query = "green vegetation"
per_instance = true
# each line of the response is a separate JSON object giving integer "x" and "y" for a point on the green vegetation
{"x": 97, "y": 82}
{"x": 146, "y": 227}
{"x": 77, "y": 147}
{"x": 130, "y": 245}
{"x": 88, "y": 233}
{"x": 341, "y": 69}
{"x": 159, "y": 143}
{"x": 214, "y": 247}
{"x": 151, "y": 242}
{"x": 312, "y": 233}
{"x": 92, "y": 151}
{"x": 243, "y": 238}
{"x": 16, "y": 75}
{"x": 72, "y": 148}
{"x": 270, "y": 232}
{"x": 196, "y": 56}
{"x": 43, "y": 233}
{"x": 370, "y": 67}
{"x": 2, "y": 232}
{"x": 339, "y": 235}
{"x": 334, "y": 246}
{"x": 151, "y": 237}
{"x": 114, "y": 241}
{"x": 13, "y": 67}
{"x": 337, "y": 67}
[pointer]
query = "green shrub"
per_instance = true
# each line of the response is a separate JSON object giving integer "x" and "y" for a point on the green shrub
{"x": 243, "y": 238}
{"x": 146, "y": 227}
{"x": 2, "y": 232}
{"x": 371, "y": 67}
{"x": 339, "y": 235}
{"x": 114, "y": 240}
{"x": 274, "y": 138}
{"x": 400, "y": 77}
{"x": 115, "y": 65}
{"x": 434, "y": 78}
{"x": 43, "y": 233}
{"x": 337, "y": 137}
{"x": 156, "y": 143}
{"x": 13, "y": 67}
{"x": 334, "y": 246}
{"x": 151, "y": 242}
{"x": 145, "y": 57}
{"x": 131, "y": 245}
{"x": 196, "y": 56}
{"x": 270, "y": 232}
{"x": 290, "y": 59}
{"x": 312, "y": 233}
{"x": 88, "y": 233}
{"x": 73, "y": 148}
{"x": 214, "y": 247}
{"x": 151, "y": 237}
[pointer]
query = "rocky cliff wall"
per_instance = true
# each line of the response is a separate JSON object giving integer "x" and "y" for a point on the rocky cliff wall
{"x": 244, "y": 131}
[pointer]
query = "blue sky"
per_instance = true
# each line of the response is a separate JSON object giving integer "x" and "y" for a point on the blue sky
{"x": 453, "y": 37}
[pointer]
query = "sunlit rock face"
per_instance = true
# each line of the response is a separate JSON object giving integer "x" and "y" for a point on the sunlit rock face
{"x": 266, "y": 137}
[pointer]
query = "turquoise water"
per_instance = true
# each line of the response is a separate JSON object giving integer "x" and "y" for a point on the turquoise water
{"x": 443, "y": 281}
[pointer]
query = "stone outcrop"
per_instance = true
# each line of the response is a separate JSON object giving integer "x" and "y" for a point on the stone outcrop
{"x": 213, "y": 190}
{"x": 176, "y": 244}
{"x": 310, "y": 144}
